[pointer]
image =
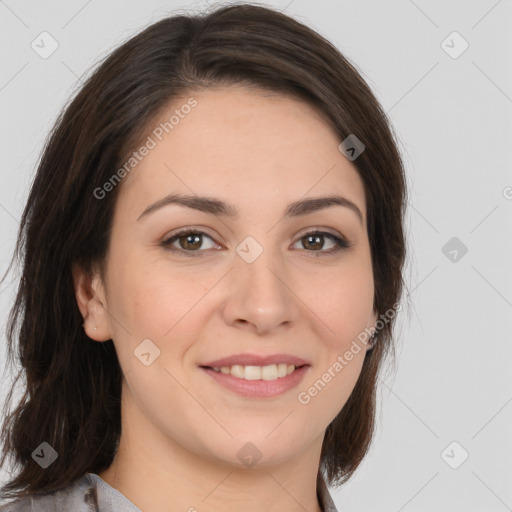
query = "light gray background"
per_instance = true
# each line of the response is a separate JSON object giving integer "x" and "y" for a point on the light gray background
{"x": 453, "y": 117}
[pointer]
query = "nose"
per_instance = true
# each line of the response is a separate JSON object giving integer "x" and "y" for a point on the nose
{"x": 260, "y": 295}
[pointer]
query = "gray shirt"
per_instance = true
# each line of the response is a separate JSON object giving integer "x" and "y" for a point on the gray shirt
{"x": 92, "y": 494}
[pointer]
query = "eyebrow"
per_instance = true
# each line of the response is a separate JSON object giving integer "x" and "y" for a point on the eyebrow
{"x": 218, "y": 207}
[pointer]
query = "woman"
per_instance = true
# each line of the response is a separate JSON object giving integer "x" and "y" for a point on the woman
{"x": 213, "y": 249}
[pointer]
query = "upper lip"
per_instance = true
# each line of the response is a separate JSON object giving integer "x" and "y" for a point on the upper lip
{"x": 255, "y": 360}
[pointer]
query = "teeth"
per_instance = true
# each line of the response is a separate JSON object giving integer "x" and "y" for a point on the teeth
{"x": 270, "y": 372}
{"x": 237, "y": 370}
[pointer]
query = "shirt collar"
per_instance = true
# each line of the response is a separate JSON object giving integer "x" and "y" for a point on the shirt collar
{"x": 108, "y": 497}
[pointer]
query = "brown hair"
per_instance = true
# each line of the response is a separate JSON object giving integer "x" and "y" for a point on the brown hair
{"x": 73, "y": 386}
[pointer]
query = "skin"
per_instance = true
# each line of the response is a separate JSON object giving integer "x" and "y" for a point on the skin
{"x": 181, "y": 431}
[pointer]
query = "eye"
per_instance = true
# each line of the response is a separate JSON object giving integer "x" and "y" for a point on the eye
{"x": 315, "y": 240}
{"x": 189, "y": 241}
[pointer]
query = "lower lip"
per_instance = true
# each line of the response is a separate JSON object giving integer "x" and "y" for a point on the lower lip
{"x": 259, "y": 388}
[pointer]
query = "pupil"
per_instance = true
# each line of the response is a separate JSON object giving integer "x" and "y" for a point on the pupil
{"x": 195, "y": 241}
{"x": 316, "y": 239}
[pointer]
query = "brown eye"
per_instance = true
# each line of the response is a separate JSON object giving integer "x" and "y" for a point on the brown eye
{"x": 315, "y": 242}
{"x": 189, "y": 242}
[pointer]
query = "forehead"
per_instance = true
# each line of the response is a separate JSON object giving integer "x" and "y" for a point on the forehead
{"x": 237, "y": 141}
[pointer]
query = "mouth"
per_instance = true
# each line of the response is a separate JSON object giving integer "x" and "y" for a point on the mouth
{"x": 257, "y": 381}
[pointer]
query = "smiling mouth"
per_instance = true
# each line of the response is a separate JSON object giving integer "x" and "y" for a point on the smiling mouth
{"x": 268, "y": 372}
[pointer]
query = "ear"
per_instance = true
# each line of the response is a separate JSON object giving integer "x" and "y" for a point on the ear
{"x": 90, "y": 297}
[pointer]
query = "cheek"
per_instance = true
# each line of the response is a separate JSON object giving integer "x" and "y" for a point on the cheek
{"x": 150, "y": 298}
{"x": 352, "y": 307}
{"x": 347, "y": 308}
{"x": 342, "y": 302}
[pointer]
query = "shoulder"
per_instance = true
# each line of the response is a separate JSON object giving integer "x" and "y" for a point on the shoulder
{"x": 19, "y": 505}
{"x": 80, "y": 496}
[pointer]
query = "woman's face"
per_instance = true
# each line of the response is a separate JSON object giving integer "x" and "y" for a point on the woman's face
{"x": 246, "y": 283}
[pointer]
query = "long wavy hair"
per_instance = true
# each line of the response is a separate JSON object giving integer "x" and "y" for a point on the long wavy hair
{"x": 71, "y": 386}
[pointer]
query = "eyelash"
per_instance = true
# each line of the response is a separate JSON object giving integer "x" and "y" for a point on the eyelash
{"x": 341, "y": 244}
